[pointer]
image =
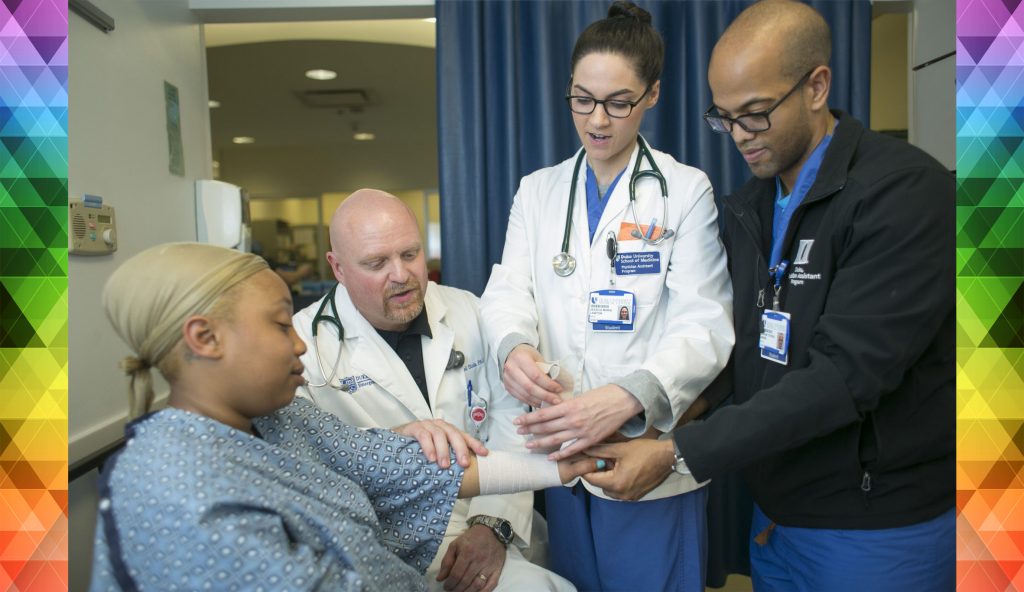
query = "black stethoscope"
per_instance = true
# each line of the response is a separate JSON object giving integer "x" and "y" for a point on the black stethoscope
{"x": 455, "y": 360}
{"x": 563, "y": 263}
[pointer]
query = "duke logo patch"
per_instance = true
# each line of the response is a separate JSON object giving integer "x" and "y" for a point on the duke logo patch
{"x": 803, "y": 252}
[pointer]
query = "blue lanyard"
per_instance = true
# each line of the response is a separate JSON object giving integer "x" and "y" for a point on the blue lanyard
{"x": 785, "y": 206}
{"x": 595, "y": 204}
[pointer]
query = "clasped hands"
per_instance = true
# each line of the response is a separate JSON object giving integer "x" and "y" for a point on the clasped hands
{"x": 589, "y": 423}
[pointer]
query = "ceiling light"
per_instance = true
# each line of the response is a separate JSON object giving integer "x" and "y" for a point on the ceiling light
{"x": 214, "y": 104}
{"x": 363, "y": 136}
{"x": 319, "y": 74}
{"x": 243, "y": 139}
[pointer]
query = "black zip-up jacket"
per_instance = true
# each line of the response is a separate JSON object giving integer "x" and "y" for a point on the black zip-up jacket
{"x": 858, "y": 430}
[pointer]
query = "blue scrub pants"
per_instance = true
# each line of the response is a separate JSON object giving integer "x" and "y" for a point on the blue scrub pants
{"x": 917, "y": 557}
{"x": 611, "y": 546}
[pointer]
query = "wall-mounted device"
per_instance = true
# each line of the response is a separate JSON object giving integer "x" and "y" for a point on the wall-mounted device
{"x": 93, "y": 227}
{"x": 222, "y": 215}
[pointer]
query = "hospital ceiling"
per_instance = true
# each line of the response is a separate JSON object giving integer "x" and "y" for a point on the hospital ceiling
{"x": 303, "y": 128}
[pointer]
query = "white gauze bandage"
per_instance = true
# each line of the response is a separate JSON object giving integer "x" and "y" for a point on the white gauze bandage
{"x": 512, "y": 472}
{"x": 564, "y": 379}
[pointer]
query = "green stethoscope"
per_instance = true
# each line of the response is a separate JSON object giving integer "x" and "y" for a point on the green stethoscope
{"x": 563, "y": 263}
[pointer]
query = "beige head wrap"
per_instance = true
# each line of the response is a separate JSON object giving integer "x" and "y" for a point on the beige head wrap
{"x": 150, "y": 295}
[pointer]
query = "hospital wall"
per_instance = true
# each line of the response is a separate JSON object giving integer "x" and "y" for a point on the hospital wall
{"x": 118, "y": 149}
{"x": 932, "y": 107}
{"x": 889, "y": 46}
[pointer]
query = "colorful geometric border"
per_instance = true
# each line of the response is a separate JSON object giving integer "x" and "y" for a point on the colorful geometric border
{"x": 33, "y": 295}
{"x": 990, "y": 294}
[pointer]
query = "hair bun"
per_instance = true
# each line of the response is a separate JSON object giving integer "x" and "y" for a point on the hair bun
{"x": 623, "y": 9}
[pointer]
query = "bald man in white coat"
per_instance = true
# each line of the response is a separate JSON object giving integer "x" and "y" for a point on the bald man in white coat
{"x": 412, "y": 357}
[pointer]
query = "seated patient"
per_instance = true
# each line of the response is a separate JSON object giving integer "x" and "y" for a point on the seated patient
{"x": 236, "y": 486}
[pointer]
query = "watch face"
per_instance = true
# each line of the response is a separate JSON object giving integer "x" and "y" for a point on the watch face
{"x": 505, "y": 530}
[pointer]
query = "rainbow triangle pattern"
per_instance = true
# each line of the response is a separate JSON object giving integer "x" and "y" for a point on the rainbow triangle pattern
{"x": 990, "y": 294}
{"x": 33, "y": 295}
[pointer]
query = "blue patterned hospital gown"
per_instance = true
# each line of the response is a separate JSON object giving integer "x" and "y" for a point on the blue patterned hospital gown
{"x": 193, "y": 504}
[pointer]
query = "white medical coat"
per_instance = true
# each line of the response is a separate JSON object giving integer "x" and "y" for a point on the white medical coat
{"x": 387, "y": 396}
{"x": 683, "y": 331}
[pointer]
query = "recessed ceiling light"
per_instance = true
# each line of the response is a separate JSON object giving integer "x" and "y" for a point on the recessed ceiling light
{"x": 243, "y": 139}
{"x": 363, "y": 136}
{"x": 214, "y": 104}
{"x": 319, "y": 74}
{"x": 430, "y": 20}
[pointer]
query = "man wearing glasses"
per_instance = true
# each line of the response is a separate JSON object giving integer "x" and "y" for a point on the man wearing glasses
{"x": 841, "y": 255}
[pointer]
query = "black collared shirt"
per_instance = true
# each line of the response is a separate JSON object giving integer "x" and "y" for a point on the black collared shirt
{"x": 409, "y": 347}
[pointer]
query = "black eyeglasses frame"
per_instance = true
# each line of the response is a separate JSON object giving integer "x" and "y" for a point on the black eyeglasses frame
{"x": 727, "y": 122}
{"x": 632, "y": 104}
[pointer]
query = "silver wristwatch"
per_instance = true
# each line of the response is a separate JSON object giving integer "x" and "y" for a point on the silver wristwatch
{"x": 502, "y": 528}
{"x": 678, "y": 464}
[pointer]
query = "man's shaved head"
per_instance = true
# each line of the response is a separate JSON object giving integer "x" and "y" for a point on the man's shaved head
{"x": 357, "y": 210}
{"x": 793, "y": 32}
{"x": 377, "y": 255}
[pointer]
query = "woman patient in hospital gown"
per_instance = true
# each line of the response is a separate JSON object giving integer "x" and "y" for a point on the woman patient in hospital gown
{"x": 236, "y": 486}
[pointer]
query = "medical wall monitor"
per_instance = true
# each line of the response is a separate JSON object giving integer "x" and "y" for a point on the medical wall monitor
{"x": 93, "y": 227}
{"x": 221, "y": 218}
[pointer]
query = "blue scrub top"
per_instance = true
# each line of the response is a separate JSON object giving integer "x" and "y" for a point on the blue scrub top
{"x": 595, "y": 203}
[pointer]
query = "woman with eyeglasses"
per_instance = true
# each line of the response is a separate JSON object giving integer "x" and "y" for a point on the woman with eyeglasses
{"x": 617, "y": 225}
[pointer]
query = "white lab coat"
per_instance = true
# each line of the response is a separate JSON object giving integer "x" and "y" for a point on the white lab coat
{"x": 683, "y": 326}
{"x": 387, "y": 396}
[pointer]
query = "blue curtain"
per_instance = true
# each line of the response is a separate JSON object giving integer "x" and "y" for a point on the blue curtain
{"x": 502, "y": 72}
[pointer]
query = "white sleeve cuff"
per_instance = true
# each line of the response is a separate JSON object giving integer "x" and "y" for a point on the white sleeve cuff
{"x": 509, "y": 343}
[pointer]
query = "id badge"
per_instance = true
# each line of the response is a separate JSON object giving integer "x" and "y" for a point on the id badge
{"x": 612, "y": 310}
{"x": 774, "y": 341}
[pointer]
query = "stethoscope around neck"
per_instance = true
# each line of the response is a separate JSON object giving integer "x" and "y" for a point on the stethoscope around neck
{"x": 456, "y": 359}
{"x": 563, "y": 263}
